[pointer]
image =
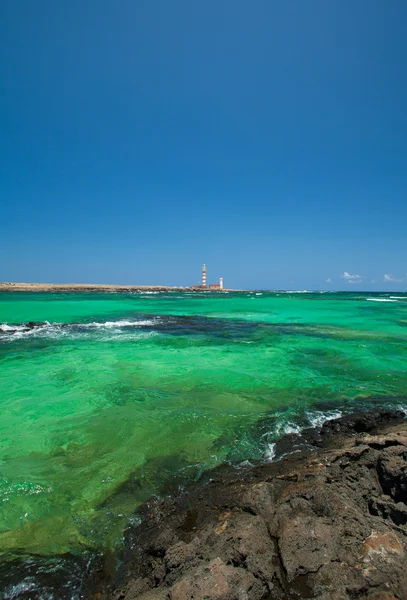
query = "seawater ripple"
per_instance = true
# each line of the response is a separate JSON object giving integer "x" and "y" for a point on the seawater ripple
{"x": 124, "y": 396}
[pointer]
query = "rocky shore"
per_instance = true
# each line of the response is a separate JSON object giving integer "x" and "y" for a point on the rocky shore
{"x": 327, "y": 521}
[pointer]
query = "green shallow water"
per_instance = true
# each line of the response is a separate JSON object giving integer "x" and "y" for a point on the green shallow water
{"x": 139, "y": 393}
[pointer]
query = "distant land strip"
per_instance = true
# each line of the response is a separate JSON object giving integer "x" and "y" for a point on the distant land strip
{"x": 6, "y": 286}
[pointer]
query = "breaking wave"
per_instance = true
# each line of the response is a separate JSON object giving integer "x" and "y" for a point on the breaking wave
{"x": 381, "y": 299}
{"x": 10, "y": 331}
{"x": 310, "y": 419}
{"x": 118, "y": 324}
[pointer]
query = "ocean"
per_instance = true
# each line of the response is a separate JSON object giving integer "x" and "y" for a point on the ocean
{"x": 108, "y": 399}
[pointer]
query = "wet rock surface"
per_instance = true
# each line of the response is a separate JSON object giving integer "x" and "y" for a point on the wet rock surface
{"x": 327, "y": 522}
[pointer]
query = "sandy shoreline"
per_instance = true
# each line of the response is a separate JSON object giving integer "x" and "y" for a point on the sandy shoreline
{"x": 6, "y": 286}
{"x": 81, "y": 287}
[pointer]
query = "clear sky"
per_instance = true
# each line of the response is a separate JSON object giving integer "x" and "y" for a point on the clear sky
{"x": 142, "y": 138}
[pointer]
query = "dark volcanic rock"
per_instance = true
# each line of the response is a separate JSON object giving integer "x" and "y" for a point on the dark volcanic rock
{"x": 328, "y": 523}
{"x": 33, "y": 324}
{"x": 363, "y": 422}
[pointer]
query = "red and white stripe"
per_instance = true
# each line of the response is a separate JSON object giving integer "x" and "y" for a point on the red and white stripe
{"x": 204, "y": 276}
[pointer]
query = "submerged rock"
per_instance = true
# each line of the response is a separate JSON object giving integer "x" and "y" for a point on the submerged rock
{"x": 328, "y": 523}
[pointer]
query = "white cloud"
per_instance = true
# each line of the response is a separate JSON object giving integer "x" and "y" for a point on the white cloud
{"x": 352, "y": 278}
{"x": 388, "y": 278}
{"x": 329, "y": 280}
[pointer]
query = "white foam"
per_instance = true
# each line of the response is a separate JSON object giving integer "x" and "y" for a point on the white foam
{"x": 7, "y": 327}
{"x": 381, "y": 300}
{"x": 287, "y": 429}
{"x": 271, "y": 452}
{"x": 283, "y": 427}
{"x": 55, "y": 330}
{"x": 318, "y": 418}
{"x": 13, "y": 332}
{"x": 117, "y": 324}
{"x": 399, "y": 297}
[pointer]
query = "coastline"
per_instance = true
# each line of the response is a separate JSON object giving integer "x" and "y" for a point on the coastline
{"x": 81, "y": 287}
{"x": 277, "y": 367}
{"x": 326, "y": 520}
{"x": 6, "y": 286}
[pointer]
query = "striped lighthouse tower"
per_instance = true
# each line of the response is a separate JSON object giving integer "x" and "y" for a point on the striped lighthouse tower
{"x": 204, "y": 276}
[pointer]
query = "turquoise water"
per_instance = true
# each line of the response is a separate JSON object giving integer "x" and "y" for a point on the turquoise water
{"x": 111, "y": 398}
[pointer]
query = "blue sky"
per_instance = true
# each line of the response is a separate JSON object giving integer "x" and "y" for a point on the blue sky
{"x": 267, "y": 139}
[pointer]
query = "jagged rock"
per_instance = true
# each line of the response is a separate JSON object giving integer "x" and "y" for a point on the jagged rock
{"x": 361, "y": 422}
{"x": 218, "y": 581}
{"x": 32, "y": 324}
{"x": 327, "y": 524}
{"x": 392, "y": 470}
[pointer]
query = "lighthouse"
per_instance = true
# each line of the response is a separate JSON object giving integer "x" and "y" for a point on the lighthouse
{"x": 204, "y": 276}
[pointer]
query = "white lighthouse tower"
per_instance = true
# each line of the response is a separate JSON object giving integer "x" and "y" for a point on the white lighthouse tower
{"x": 204, "y": 276}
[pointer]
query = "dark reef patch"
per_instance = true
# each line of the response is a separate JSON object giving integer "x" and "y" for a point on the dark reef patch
{"x": 220, "y": 330}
